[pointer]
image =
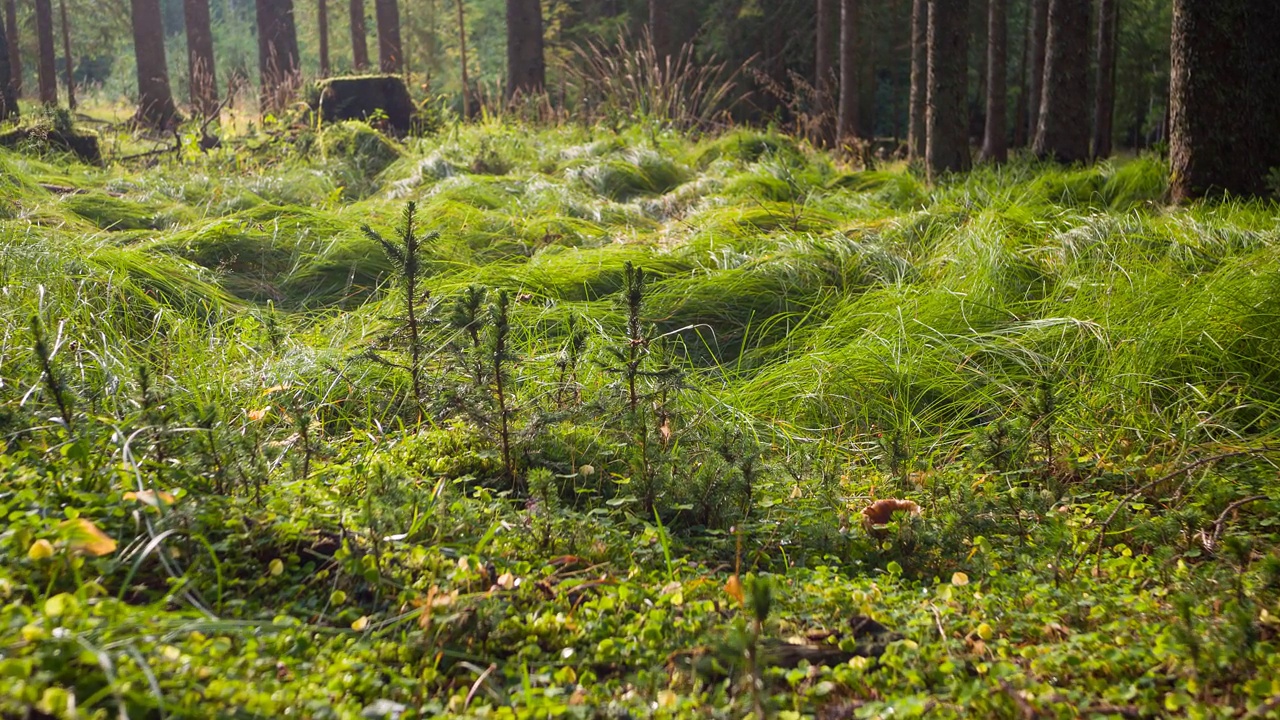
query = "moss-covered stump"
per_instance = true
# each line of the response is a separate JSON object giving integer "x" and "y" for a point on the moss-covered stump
{"x": 82, "y": 145}
{"x": 381, "y": 98}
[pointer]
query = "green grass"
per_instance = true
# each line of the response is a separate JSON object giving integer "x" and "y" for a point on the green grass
{"x": 1030, "y": 353}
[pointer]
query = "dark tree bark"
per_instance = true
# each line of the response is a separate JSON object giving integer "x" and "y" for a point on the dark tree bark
{"x": 462, "y": 45}
{"x": 947, "y": 144}
{"x": 1021, "y": 107}
{"x": 47, "y": 67}
{"x": 390, "y": 49}
{"x": 15, "y": 49}
{"x": 526, "y": 67}
{"x": 200, "y": 60}
{"x": 1037, "y": 32}
{"x": 1104, "y": 99}
{"x": 68, "y": 61}
{"x": 995, "y": 144}
{"x": 155, "y": 98}
{"x": 322, "y": 28}
{"x": 359, "y": 36}
{"x": 8, "y": 98}
{"x": 916, "y": 126}
{"x": 847, "y": 120}
{"x": 1224, "y": 97}
{"x": 1063, "y": 131}
{"x": 277, "y": 53}
{"x": 660, "y": 28}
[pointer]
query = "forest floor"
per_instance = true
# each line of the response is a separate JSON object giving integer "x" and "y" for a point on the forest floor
{"x": 620, "y": 496}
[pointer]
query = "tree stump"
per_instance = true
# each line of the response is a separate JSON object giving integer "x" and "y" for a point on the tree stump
{"x": 380, "y": 100}
{"x": 82, "y": 145}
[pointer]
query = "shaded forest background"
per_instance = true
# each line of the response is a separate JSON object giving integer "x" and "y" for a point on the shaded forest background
{"x": 776, "y": 41}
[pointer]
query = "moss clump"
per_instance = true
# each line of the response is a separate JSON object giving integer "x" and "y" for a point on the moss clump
{"x": 360, "y": 145}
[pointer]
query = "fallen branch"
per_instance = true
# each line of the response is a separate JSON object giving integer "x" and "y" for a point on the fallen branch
{"x": 1222, "y": 519}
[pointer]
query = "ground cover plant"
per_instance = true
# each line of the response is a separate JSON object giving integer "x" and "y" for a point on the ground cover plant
{"x": 519, "y": 421}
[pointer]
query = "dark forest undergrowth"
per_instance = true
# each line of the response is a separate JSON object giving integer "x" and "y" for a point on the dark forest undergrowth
{"x": 596, "y": 438}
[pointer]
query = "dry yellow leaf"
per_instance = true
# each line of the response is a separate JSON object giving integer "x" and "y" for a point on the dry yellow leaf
{"x": 733, "y": 589}
{"x": 40, "y": 550}
{"x": 959, "y": 579}
{"x": 151, "y": 497}
{"x": 361, "y": 624}
{"x": 83, "y": 536}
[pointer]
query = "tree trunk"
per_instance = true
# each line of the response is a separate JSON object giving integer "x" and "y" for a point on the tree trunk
{"x": 1020, "y": 108}
{"x": 526, "y": 68}
{"x": 947, "y": 144}
{"x": 322, "y": 28}
{"x": 995, "y": 144}
{"x": 155, "y": 99}
{"x": 390, "y": 50}
{"x": 277, "y": 53}
{"x": 1224, "y": 97}
{"x": 462, "y": 44}
{"x": 1063, "y": 131}
{"x": 200, "y": 60}
{"x": 359, "y": 36}
{"x": 847, "y": 121}
{"x": 69, "y": 70}
{"x": 1104, "y": 99}
{"x": 1037, "y": 32}
{"x": 47, "y": 67}
{"x": 8, "y": 98}
{"x": 15, "y": 47}
{"x": 660, "y": 28}
{"x": 916, "y": 126}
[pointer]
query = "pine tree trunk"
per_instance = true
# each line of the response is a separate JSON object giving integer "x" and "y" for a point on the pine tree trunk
{"x": 1037, "y": 32}
{"x": 526, "y": 68}
{"x": 847, "y": 120}
{"x": 1020, "y": 108}
{"x": 359, "y": 36}
{"x": 995, "y": 145}
{"x": 15, "y": 46}
{"x": 1104, "y": 100}
{"x": 1063, "y": 131}
{"x": 200, "y": 59}
{"x": 47, "y": 67}
{"x": 390, "y": 50}
{"x": 322, "y": 28}
{"x": 1224, "y": 97}
{"x": 155, "y": 99}
{"x": 277, "y": 53}
{"x": 68, "y": 61}
{"x": 8, "y": 98}
{"x": 660, "y": 28}
{"x": 947, "y": 143}
{"x": 462, "y": 44}
{"x": 916, "y": 132}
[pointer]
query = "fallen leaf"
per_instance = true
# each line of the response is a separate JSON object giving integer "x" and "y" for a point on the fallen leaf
{"x": 151, "y": 497}
{"x": 361, "y": 624}
{"x": 83, "y": 536}
{"x": 40, "y": 550}
{"x": 959, "y": 579}
{"x": 733, "y": 589}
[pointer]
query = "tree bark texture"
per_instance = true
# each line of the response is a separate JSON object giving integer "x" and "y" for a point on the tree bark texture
{"x": 916, "y": 126}
{"x": 1104, "y": 98}
{"x": 995, "y": 144}
{"x": 69, "y": 65}
{"x": 947, "y": 143}
{"x": 1037, "y": 32}
{"x": 526, "y": 67}
{"x": 322, "y": 28}
{"x": 359, "y": 36}
{"x": 390, "y": 49}
{"x": 1225, "y": 97}
{"x": 47, "y": 65}
{"x": 277, "y": 53}
{"x": 847, "y": 120}
{"x": 1021, "y": 107}
{"x": 8, "y": 97}
{"x": 15, "y": 49}
{"x": 825, "y": 46}
{"x": 1063, "y": 130}
{"x": 155, "y": 98}
{"x": 200, "y": 60}
{"x": 462, "y": 45}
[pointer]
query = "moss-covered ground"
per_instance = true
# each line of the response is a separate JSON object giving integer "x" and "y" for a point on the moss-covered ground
{"x": 221, "y": 496}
